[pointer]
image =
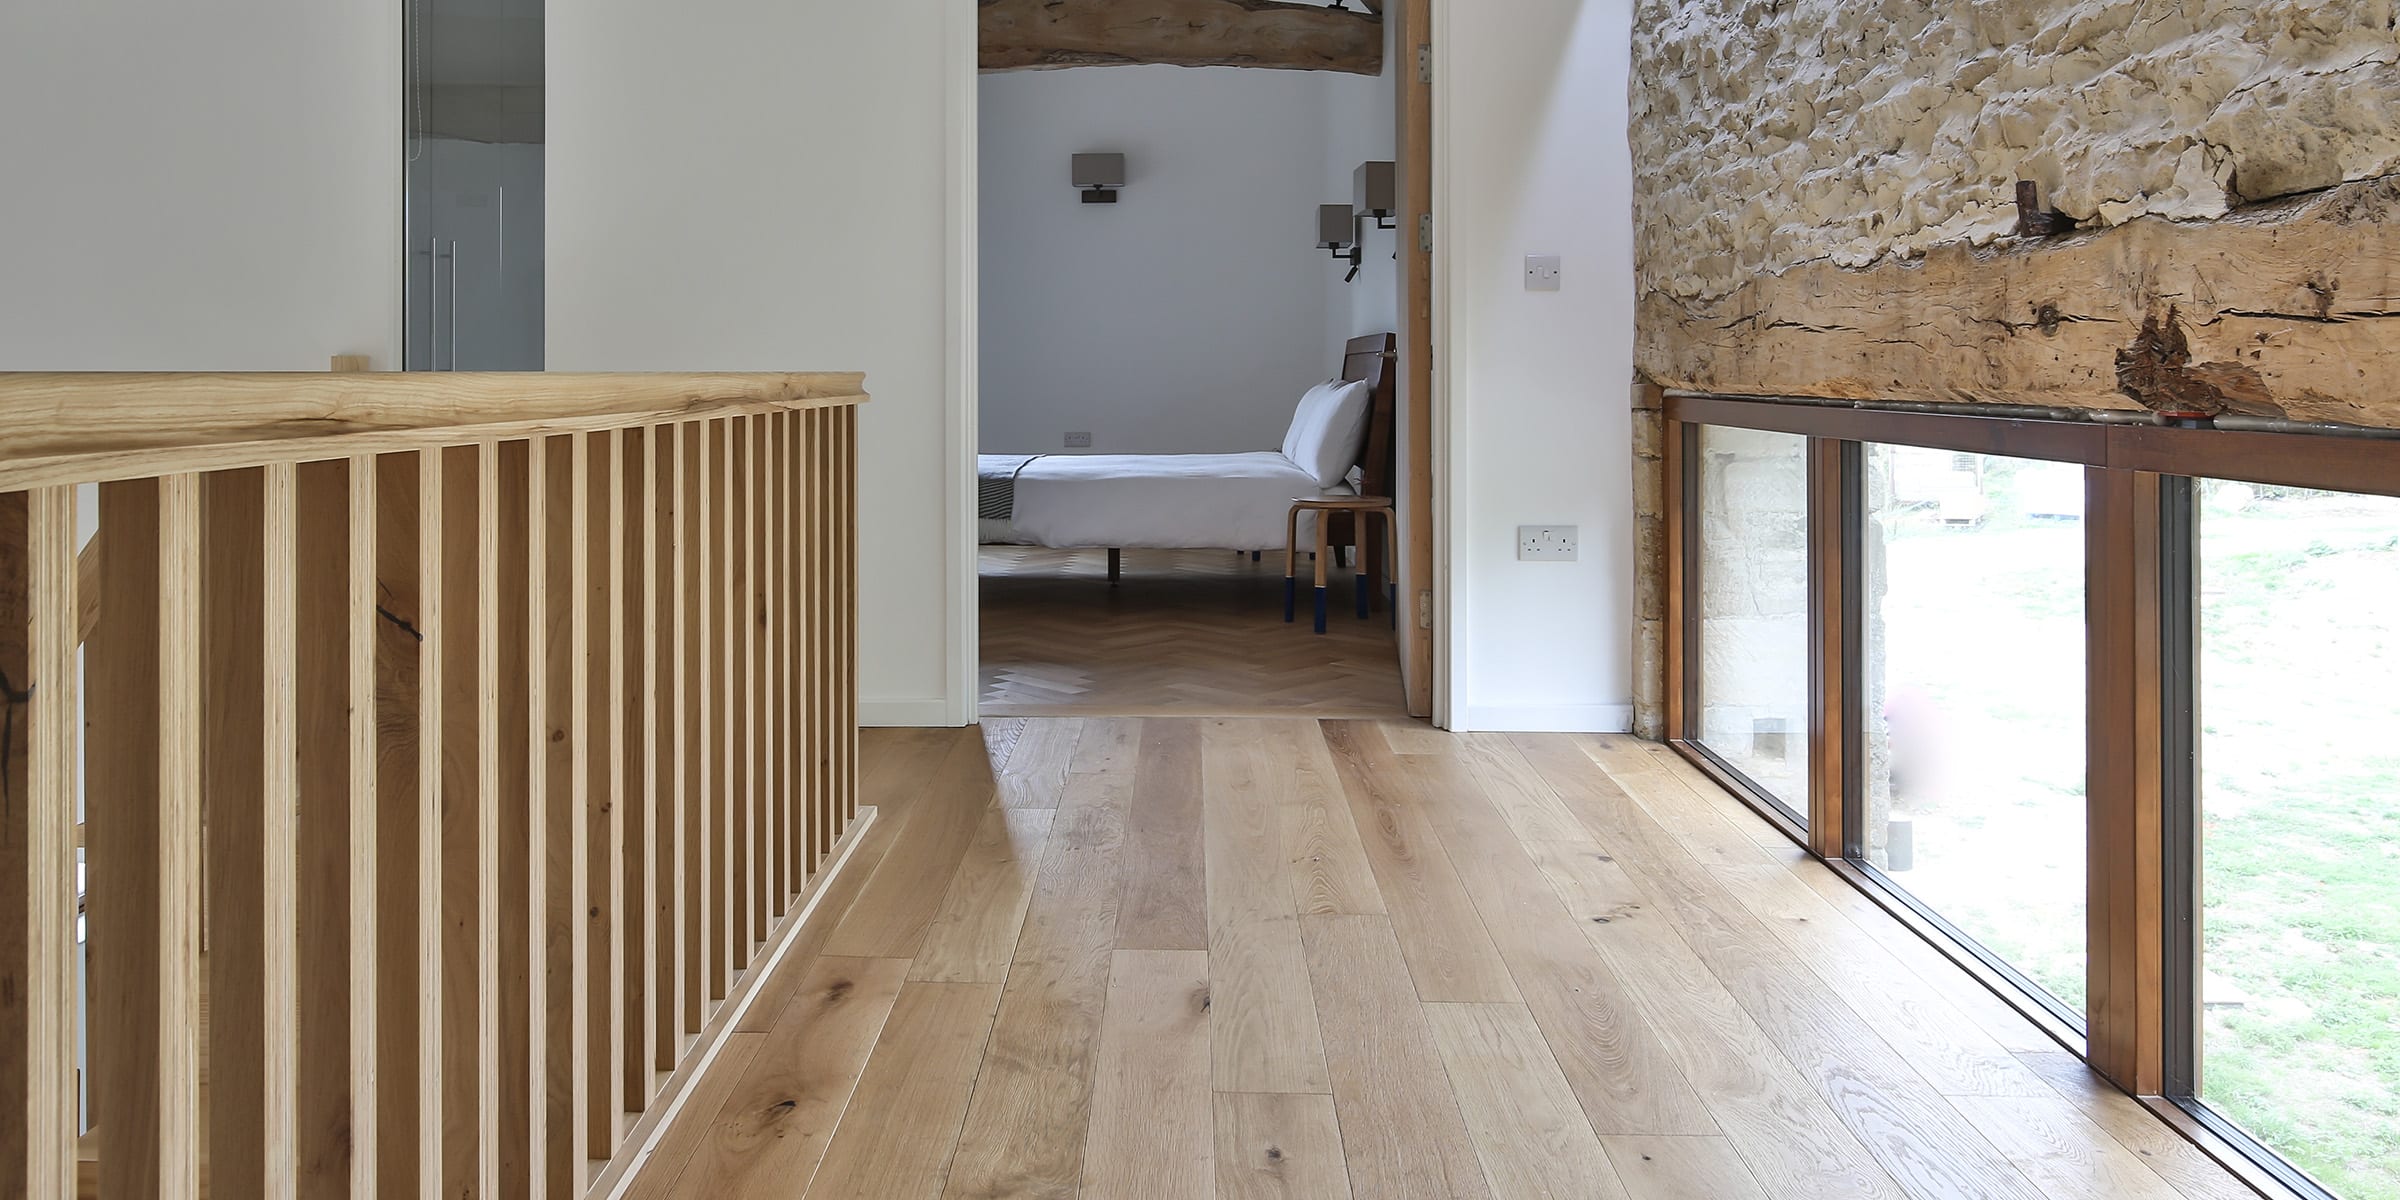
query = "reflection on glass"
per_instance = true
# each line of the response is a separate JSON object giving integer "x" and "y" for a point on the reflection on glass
{"x": 2300, "y": 826}
{"x": 1974, "y": 697}
{"x": 1754, "y": 608}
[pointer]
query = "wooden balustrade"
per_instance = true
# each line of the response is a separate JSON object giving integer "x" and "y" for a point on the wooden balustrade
{"x": 451, "y": 749}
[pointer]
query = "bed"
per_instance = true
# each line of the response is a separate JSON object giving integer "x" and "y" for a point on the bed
{"x": 1200, "y": 501}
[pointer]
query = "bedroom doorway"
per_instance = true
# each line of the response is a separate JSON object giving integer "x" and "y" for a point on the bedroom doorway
{"x": 1156, "y": 302}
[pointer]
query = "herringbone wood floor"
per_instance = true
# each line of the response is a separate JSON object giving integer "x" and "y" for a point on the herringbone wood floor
{"x": 1187, "y": 632}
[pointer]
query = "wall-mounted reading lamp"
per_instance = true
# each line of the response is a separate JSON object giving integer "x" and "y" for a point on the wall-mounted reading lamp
{"x": 1338, "y": 235}
{"x": 1375, "y": 192}
{"x": 1098, "y": 176}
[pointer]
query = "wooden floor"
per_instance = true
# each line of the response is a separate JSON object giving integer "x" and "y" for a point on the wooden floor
{"x": 1151, "y": 959}
{"x": 1196, "y": 632}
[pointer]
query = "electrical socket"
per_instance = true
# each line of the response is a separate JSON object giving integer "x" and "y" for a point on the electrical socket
{"x": 1546, "y": 543}
{"x": 1079, "y": 441}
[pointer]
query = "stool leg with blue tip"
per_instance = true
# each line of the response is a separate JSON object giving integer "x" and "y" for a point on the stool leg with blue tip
{"x": 1358, "y": 556}
{"x": 1291, "y": 540}
{"x": 1324, "y": 551}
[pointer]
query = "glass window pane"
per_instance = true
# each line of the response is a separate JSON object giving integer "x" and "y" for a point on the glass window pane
{"x": 1754, "y": 608}
{"x": 2299, "y": 778}
{"x": 1974, "y": 697}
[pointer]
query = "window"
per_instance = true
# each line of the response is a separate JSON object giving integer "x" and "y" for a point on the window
{"x": 1753, "y": 617}
{"x": 2298, "y": 826}
{"x": 1973, "y": 703}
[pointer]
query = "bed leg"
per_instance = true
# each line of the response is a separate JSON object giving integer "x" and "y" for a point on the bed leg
{"x": 1116, "y": 566}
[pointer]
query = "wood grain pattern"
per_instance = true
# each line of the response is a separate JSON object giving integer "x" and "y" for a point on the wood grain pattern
{"x": 975, "y": 934}
{"x": 1165, "y": 897}
{"x": 1279, "y": 1146}
{"x": 1153, "y": 1129}
{"x": 1681, "y": 1168}
{"x": 898, "y": 1134}
{"x": 98, "y": 426}
{"x": 1263, "y": 1033}
{"x": 1526, "y": 1124}
{"x": 1019, "y": 35}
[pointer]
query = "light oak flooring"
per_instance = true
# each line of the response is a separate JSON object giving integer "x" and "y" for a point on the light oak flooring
{"x": 1185, "y": 632}
{"x": 1148, "y": 959}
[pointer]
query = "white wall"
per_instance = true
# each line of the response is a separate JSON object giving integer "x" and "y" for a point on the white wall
{"x": 1190, "y": 315}
{"x": 1530, "y": 142}
{"x": 760, "y": 185}
{"x": 198, "y": 186}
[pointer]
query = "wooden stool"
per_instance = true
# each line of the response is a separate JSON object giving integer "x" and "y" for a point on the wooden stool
{"x": 1360, "y": 508}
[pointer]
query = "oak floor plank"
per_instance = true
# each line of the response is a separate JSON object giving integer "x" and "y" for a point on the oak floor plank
{"x": 1107, "y": 746}
{"x": 904, "y": 895}
{"x": 770, "y": 1133}
{"x": 975, "y": 934}
{"x": 1783, "y": 1128}
{"x": 1532, "y": 810}
{"x": 1527, "y": 1126}
{"x": 1279, "y": 1146}
{"x": 1036, "y": 768}
{"x": 1165, "y": 903}
{"x": 1025, "y": 1126}
{"x": 1329, "y": 870}
{"x": 896, "y": 1137}
{"x": 2068, "y": 1156}
{"x": 1402, "y": 1133}
{"x": 1413, "y": 737}
{"x": 1449, "y": 952}
{"x": 2170, "y": 1154}
{"x": 1153, "y": 1132}
{"x": 1263, "y": 1019}
{"x": 654, "y": 1174}
{"x": 1883, "y": 1100}
{"x": 1681, "y": 1168}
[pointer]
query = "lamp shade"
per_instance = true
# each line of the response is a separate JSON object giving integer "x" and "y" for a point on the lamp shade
{"x": 1334, "y": 230}
{"x": 1099, "y": 170}
{"x": 1376, "y": 189}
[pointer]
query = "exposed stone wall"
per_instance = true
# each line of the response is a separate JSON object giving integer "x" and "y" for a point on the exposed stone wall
{"x": 1771, "y": 133}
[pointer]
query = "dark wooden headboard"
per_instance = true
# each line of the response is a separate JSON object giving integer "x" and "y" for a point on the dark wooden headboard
{"x": 1371, "y": 358}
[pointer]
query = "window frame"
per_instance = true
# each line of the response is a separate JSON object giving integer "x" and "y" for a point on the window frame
{"x": 2140, "y": 1029}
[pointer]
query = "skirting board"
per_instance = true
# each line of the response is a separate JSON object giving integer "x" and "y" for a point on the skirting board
{"x": 905, "y": 714}
{"x": 618, "y": 1174}
{"x": 1541, "y": 718}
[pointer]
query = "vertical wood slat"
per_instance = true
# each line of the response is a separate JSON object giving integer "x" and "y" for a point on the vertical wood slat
{"x": 361, "y": 1126}
{"x": 772, "y": 592}
{"x": 512, "y": 694}
{"x": 454, "y": 620}
{"x": 600, "y": 510}
{"x": 725, "y": 921}
{"x": 408, "y": 865}
{"x": 38, "y": 627}
{"x": 662, "y": 534}
{"x": 741, "y": 731}
{"x": 563, "y": 524}
{"x": 690, "y": 785}
{"x": 633, "y": 793}
{"x": 846, "y": 521}
{"x": 143, "y": 839}
{"x": 233, "y": 578}
{"x": 819, "y": 663}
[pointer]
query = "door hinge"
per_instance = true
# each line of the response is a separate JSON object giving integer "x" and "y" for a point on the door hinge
{"x": 1425, "y": 232}
{"x": 1424, "y": 610}
{"x": 1424, "y": 64}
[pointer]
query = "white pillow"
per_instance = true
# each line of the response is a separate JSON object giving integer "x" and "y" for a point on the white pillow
{"x": 1328, "y": 429}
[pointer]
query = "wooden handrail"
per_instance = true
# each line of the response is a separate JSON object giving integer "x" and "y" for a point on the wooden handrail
{"x": 441, "y": 754}
{"x": 89, "y": 427}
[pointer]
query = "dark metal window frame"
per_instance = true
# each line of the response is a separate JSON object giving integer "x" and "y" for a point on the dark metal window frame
{"x": 2142, "y": 1031}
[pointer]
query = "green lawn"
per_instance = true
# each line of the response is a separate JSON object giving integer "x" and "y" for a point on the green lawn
{"x": 2300, "y": 747}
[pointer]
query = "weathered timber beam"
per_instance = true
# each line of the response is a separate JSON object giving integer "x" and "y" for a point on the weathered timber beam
{"x": 2289, "y": 309}
{"x": 1021, "y": 35}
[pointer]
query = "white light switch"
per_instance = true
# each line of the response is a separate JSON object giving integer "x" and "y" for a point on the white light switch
{"x": 1541, "y": 272}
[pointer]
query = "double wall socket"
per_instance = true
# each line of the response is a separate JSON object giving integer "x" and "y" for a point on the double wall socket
{"x": 1546, "y": 543}
{"x": 1079, "y": 441}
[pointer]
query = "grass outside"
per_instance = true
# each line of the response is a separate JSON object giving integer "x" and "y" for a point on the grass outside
{"x": 2300, "y": 747}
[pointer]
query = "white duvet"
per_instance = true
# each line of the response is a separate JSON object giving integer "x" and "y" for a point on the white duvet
{"x": 1160, "y": 501}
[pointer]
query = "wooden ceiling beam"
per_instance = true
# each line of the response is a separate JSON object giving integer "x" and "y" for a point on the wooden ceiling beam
{"x": 1034, "y": 35}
